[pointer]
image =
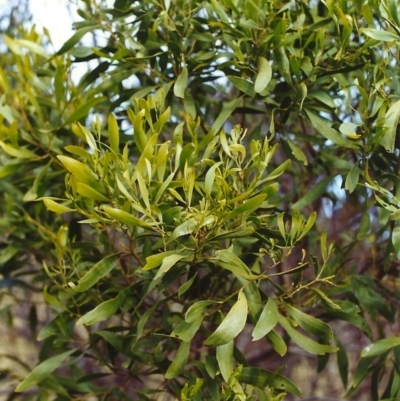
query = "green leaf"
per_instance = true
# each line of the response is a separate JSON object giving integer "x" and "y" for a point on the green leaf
{"x": 323, "y": 126}
{"x": 126, "y": 218}
{"x": 267, "y": 320}
{"x": 103, "y": 311}
{"x": 243, "y": 85}
{"x": 167, "y": 263}
{"x": 232, "y": 325}
{"x": 196, "y": 310}
{"x": 249, "y": 206}
{"x": 225, "y": 113}
{"x": 380, "y": 347}
{"x": 235, "y": 233}
{"x": 210, "y": 177}
{"x": 391, "y": 121}
{"x": 310, "y": 323}
{"x": 84, "y": 109}
{"x": 313, "y": 194}
{"x": 297, "y": 152}
{"x": 27, "y": 44}
{"x": 327, "y": 301}
{"x": 42, "y": 371}
{"x": 380, "y": 35}
{"x": 303, "y": 341}
{"x": 264, "y": 75}
{"x": 228, "y": 260}
{"x": 278, "y": 171}
{"x": 322, "y": 97}
{"x": 262, "y": 378}
{"x": 20, "y": 153}
{"x": 113, "y": 133}
{"x": 186, "y": 286}
{"x": 75, "y": 38}
{"x": 96, "y": 273}
{"x": 224, "y": 355}
{"x": 80, "y": 170}
{"x": 186, "y": 330}
{"x": 277, "y": 342}
{"x": 181, "y": 84}
{"x": 283, "y": 64}
{"x": 343, "y": 363}
{"x": 56, "y": 207}
{"x": 178, "y": 364}
{"x": 88, "y": 192}
{"x": 349, "y": 129}
{"x": 352, "y": 178}
{"x": 154, "y": 261}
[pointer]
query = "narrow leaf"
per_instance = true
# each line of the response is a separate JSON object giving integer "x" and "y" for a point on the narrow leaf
{"x": 264, "y": 75}
{"x": 267, "y": 320}
{"x": 249, "y": 206}
{"x": 56, "y": 207}
{"x": 225, "y": 113}
{"x": 75, "y": 38}
{"x": 232, "y": 325}
{"x": 262, "y": 378}
{"x": 391, "y": 121}
{"x": 305, "y": 342}
{"x": 42, "y": 371}
{"x": 178, "y": 364}
{"x": 380, "y": 35}
{"x": 96, "y": 273}
{"x": 181, "y": 84}
{"x": 310, "y": 323}
{"x": 125, "y": 217}
{"x": 231, "y": 262}
{"x": 113, "y": 133}
{"x": 379, "y": 347}
{"x": 224, "y": 355}
{"x": 323, "y": 126}
{"x": 314, "y": 193}
{"x": 88, "y": 192}
{"x": 103, "y": 311}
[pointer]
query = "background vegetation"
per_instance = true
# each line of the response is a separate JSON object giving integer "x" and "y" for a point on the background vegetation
{"x": 213, "y": 203}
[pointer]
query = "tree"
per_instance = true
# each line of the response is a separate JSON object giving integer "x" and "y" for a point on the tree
{"x": 218, "y": 221}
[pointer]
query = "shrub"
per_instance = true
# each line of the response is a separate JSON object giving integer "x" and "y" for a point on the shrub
{"x": 165, "y": 253}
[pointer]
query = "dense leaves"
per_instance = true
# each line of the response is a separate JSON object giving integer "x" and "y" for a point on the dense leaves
{"x": 180, "y": 199}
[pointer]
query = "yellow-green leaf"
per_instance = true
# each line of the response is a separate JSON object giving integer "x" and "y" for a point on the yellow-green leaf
{"x": 181, "y": 84}
{"x": 264, "y": 75}
{"x": 267, "y": 320}
{"x": 113, "y": 133}
{"x": 56, "y": 207}
{"x": 125, "y": 217}
{"x": 232, "y": 325}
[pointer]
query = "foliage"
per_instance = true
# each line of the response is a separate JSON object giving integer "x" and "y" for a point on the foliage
{"x": 161, "y": 253}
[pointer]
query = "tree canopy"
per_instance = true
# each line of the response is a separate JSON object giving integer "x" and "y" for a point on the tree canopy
{"x": 219, "y": 191}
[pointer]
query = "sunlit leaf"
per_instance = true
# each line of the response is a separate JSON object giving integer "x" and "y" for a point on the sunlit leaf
{"x": 264, "y": 75}
{"x": 391, "y": 121}
{"x": 267, "y": 320}
{"x": 113, "y": 133}
{"x": 232, "y": 325}
{"x": 181, "y": 83}
{"x": 379, "y": 347}
{"x": 305, "y": 342}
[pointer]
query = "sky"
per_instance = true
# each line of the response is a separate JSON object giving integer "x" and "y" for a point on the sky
{"x": 54, "y": 15}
